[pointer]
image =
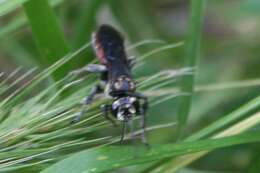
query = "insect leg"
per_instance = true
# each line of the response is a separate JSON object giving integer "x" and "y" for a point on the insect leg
{"x": 143, "y": 97}
{"x": 97, "y": 89}
{"x": 143, "y": 126}
{"x": 95, "y": 68}
{"x": 106, "y": 109}
{"x": 91, "y": 68}
{"x": 142, "y": 112}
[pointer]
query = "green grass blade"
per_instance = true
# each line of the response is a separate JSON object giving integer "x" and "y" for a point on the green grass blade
{"x": 12, "y": 26}
{"x": 228, "y": 120}
{"x": 220, "y": 124}
{"x": 20, "y": 56}
{"x": 180, "y": 162}
{"x": 234, "y": 116}
{"x": 192, "y": 55}
{"x": 132, "y": 22}
{"x": 86, "y": 23}
{"x": 47, "y": 33}
{"x": 104, "y": 159}
{"x": 84, "y": 28}
{"x": 20, "y": 21}
{"x": 6, "y": 5}
{"x": 27, "y": 87}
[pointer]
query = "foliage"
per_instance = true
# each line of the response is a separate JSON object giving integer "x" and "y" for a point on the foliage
{"x": 36, "y": 134}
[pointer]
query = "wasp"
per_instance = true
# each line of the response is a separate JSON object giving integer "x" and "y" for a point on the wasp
{"x": 116, "y": 80}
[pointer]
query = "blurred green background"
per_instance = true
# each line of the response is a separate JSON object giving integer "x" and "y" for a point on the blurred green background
{"x": 228, "y": 69}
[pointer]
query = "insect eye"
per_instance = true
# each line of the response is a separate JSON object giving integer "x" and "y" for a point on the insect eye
{"x": 132, "y": 110}
{"x": 132, "y": 85}
{"x": 117, "y": 85}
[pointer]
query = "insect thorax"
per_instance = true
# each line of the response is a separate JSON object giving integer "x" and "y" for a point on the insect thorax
{"x": 120, "y": 86}
{"x": 123, "y": 83}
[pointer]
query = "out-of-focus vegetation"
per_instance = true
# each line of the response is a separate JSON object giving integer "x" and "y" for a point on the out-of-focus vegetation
{"x": 205, "y": 119}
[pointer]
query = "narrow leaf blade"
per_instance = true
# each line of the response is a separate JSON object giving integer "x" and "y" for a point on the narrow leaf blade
{"x": 192, "y": 55}
{"x": 47, "y": 33}
{"x": 104, "y": 159}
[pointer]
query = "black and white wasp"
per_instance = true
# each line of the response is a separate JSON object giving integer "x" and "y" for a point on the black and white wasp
{"x": 116, "y": 80}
